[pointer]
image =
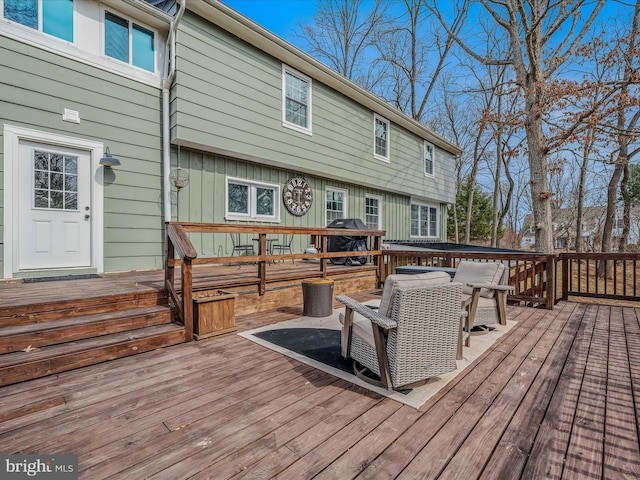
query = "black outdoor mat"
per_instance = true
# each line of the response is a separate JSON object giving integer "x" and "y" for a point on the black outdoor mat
{"x": 60, "y": 277}
{"x": 320, "y": 344}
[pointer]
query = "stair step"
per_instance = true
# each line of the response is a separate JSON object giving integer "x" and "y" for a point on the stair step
{"x": 51, "y": 311}
{"x": 34, "y": 335}
{"x": 26, "y": 365}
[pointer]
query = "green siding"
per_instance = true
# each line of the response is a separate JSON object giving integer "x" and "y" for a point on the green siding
{"x": 36, "y": 86}
{"x": 203, "y": 199}
{"x": 227, "y": 97}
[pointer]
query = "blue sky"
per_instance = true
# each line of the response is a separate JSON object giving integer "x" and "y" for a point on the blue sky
{"x": 278, "y": 16}
{"x": 281, "y": 16}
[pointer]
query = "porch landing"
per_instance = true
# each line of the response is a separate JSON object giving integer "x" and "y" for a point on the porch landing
{"x": 557, "y": 397}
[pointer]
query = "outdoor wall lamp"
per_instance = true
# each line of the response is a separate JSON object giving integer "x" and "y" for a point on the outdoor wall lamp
{"x": 108, "y": 160}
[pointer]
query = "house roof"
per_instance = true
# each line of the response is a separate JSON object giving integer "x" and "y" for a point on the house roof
{"x": 242, "y": 27}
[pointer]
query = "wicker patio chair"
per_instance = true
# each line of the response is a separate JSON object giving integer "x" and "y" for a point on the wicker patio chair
{"x": 417, "y": 339}
{"x": 485, "y": 287}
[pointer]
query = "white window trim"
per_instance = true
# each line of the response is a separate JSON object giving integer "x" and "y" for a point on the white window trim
{"x": 28, "y": 30}
{"x": 438, "y": 219}
{"x": 78, "y": 52}
{"x": 12, "y": 137}
{"x": 433, "y": 159}
{"x": 129, "y": 64}
{"x": 379, "y": 198}
{"x": 252, "y": 216}
{"x": 345, "y": 203}
{"x": 294, "y": 126}
{"x": 386, "y": 158}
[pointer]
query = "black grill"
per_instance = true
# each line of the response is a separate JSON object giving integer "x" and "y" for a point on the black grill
{"x": 347, "y": 243}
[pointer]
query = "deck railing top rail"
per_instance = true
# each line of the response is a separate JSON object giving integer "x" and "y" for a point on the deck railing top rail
{"x": 182, "y": 252}
{"x": 257, "y": 229}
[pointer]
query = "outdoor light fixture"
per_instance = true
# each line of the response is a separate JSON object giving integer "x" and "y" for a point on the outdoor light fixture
{"x": 108, "y": 160}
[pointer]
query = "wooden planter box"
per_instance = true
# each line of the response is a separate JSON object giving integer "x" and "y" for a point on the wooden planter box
{"x": 214, "y": 315}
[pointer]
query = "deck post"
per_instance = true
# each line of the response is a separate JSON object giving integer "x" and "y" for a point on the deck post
{"x": 550, "y": 266}
{"x": 323, "y": 260}
{"x": 262, "y": 265}
{"x": 169, "y": 268}
{"x": 187, "y": 298}
{"x": 565, "y": 277}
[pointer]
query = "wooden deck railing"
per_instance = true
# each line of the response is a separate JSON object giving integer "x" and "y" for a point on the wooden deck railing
{"x": 532, "y": 275}
{"x": 540, "y": 280}
{"x": 182, "y": 252}
{"x": 579, "y": 275}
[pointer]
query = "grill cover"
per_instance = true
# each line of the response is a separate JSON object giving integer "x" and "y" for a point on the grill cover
{"x": 347, "y": 243}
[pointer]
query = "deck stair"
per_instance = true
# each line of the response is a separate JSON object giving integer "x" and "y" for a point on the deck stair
{"x": 51, "y": 337}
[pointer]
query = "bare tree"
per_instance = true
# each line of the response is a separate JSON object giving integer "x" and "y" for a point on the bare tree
{"x": 415, "y": 53}
{"x": 543, "y": 36}
{"x": 456, "y": 117}
{"x": 341, "y": 35}
{"x": 625, "y": 127}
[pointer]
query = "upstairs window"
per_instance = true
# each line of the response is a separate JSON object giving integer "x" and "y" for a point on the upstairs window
{"x": 381, "y": 137}
{"x": 296, "y": 94}
{"x": 129, "y": 42}
{"x": 53, "y": 17}
{"x": 429, "y": 153}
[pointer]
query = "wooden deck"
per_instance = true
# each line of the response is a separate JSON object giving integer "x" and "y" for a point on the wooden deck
{"x": 557, "y": 397}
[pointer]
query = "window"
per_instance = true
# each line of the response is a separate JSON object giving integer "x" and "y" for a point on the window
{"x": 53, "y": 17}
{"x": 372, "y": 212}
{"x": 248, "y": 201}
{"x": 429, "y": 156}
{"x": 424, "y": 220}
{"x": 128, "y": 42}
{"x": 381, "y": 137}
{"x": 336, "y": 205}
{"x": 619, "y": 224}
{"x": 55, "y": 182}
{"x": 296, "y": 100}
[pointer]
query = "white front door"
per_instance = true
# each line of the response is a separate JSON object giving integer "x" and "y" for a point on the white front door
{"x": 54, "y": 198}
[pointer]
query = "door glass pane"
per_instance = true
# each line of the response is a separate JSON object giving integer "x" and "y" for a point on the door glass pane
{"x": 57, "y": 18}
{"x": 55, "y": 181}
{"x": 70, "y": 201}
{"x": 70, "y": 183}
{"x": 238, "y": 198}
{"x": 24, "y": 12}
{"x": 57, "y": 200}
{"x": 265, "y": 204}
{"x": 116, "y": 37}
{"x": 70, "y": 165}
{"x": 142, "y": 47}
{"x": 41, "y": 180}
{"x": 41, "y": 161}
{"x": 41, "y": 198}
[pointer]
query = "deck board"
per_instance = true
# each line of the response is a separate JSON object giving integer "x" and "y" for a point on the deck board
{"x": 558, "y": 396}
